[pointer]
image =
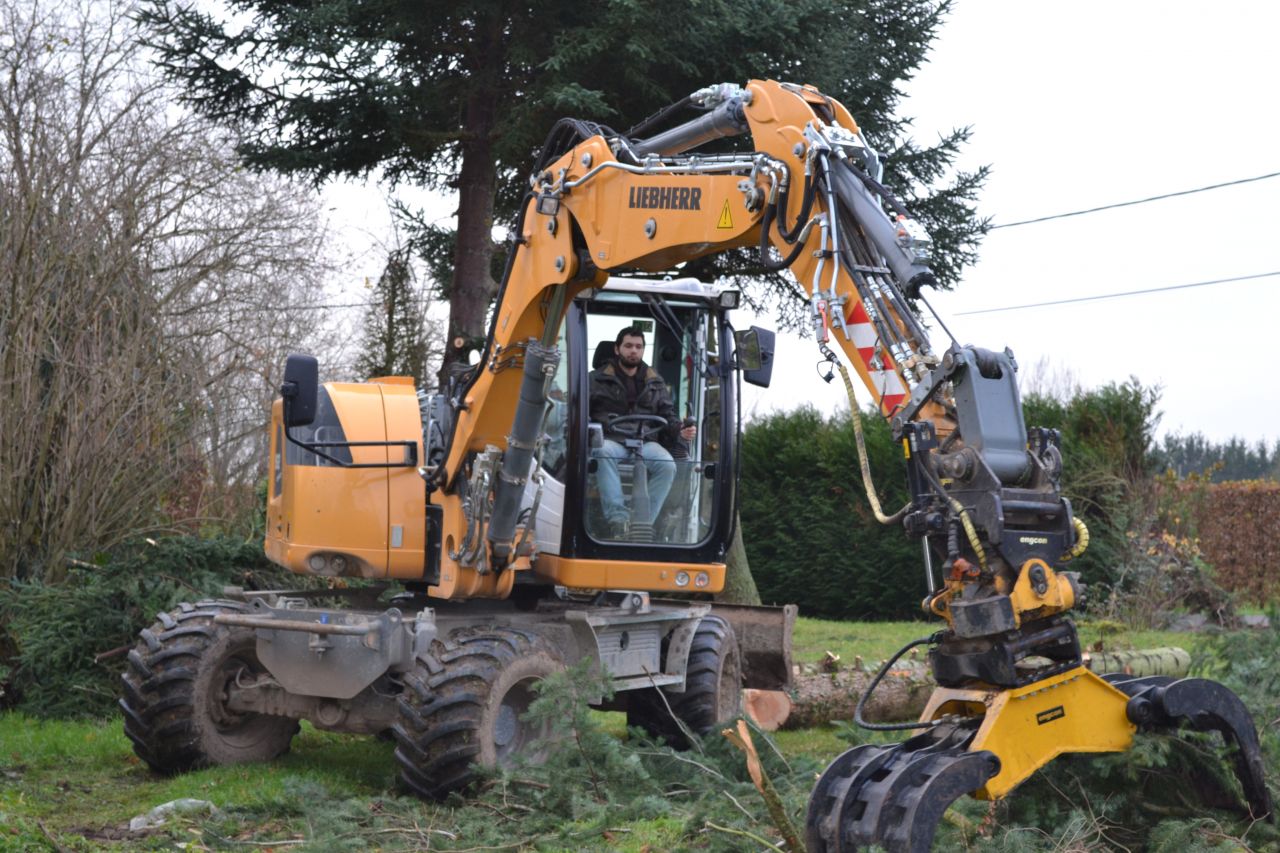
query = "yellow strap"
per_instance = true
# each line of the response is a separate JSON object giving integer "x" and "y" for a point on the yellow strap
{"x": 872, "y": 498}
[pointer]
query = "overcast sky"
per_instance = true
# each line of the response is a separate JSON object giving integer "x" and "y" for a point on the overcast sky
{"x": 1081, "y": 104}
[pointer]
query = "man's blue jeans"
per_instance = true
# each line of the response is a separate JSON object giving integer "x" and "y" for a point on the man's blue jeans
{"x": 658, "y": 463}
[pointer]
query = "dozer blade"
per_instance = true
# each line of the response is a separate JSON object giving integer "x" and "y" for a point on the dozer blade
{"x": 894, "y": 796}
{"x": 1161, "y": 702}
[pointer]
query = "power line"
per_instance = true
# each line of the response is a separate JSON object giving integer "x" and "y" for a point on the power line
{"x": 314, "y": 306}
{"x": 1135, "y": 201}
{"x": 1117, "y": 295}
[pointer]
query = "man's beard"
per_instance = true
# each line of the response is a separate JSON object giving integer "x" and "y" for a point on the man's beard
{"x": 630, "y": 360}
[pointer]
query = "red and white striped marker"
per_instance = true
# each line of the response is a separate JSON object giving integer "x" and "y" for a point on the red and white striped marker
{"x": 887, "y": 383}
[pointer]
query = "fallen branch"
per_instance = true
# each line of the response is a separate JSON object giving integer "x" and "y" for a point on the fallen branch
{"x": 113, "y": 653}
{"x": 743, "y": 833}
{"x": 741, "y": 738}
{"x": 52, "y": 841}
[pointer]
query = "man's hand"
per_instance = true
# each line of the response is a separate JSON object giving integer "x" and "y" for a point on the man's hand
{"x": 689, "y": 431}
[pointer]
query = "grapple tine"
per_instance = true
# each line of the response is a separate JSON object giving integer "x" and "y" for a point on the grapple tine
{"x": 894, "y": 796}
{"x": 910, "y": 818}
{"x": 829, "y": 799}
{"x": 1163, "y": 702}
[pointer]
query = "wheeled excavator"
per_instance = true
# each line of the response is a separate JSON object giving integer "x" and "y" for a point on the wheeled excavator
{"x": 482, "y": 501}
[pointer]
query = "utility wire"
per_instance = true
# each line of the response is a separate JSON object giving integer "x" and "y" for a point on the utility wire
{"x": 1135, "y": 201}
{"x": 313, "y": 306}
{"x": 325, "y": 307}
{"x": 1117, "y": 295}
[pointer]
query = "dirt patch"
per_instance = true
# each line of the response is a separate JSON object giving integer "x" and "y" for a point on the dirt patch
{"x": 112, "y": 834}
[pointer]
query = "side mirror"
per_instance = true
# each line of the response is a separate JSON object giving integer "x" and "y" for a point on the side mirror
{"x": 747, "y": 344}
{"x": 299, "y": 391}
{"x": 755, "y": 355}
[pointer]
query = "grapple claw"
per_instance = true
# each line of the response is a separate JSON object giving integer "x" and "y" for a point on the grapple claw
{"x": 1161, "y": 702}
{"x": 829, "y": 798}
{"x": 894, "y": 796}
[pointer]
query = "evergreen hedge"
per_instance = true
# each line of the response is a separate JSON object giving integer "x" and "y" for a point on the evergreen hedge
{"x": 50, "y": 633}
{"x": 811, "y": 538}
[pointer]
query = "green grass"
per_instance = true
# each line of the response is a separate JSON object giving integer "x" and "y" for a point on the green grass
{"x": 74, "y": 785}
{"x": 822, "y": 743}
{"x": 875, "y": 641}
{"x": 1115, "y": 637}
{"x": 82, "y": 778}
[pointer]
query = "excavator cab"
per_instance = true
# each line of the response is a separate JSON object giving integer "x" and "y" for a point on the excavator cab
{"x": 626, "y": 486}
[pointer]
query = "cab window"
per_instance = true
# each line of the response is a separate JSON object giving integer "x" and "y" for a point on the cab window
{"x": 646, "y": 482}
{"x": 326, "y": 427}
{"x": 555, "y": 424}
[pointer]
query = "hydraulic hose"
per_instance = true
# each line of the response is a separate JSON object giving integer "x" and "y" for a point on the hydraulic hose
{"x": 772, "y": 266}
{"x": 884, "y": 669}
{"x": 790, "y": 233}
{"x": 1082, "y": 539}
{"x": 970, "y": 532}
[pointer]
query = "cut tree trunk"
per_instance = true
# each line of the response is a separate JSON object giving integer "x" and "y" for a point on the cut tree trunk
{"x": 768, "y": 709}
{"x": 824, "y": 697}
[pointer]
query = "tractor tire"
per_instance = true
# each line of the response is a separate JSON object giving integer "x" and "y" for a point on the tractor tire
{"x": 462, "y": 705}
{"x": 174, "y": 693}
{"x": 712, "y": 694}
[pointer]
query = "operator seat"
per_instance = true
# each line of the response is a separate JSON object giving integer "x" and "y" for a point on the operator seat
{"x": 604, "y": 352}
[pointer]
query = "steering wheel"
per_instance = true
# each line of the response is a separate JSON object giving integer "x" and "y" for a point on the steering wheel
{"x": 643, "y": 427}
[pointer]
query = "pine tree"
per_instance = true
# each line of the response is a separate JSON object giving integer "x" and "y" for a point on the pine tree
{"x": 459, "y": 96}
{"x": 395, "y": 341}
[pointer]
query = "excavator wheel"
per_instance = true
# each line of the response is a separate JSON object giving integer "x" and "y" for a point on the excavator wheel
{"x": 175, "y": 693}
{"x": 712, "y": 694}
{"x": 462, "y": 705}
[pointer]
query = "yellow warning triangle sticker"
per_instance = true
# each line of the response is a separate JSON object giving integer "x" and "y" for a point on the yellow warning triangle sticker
{"x": 726, "y": 218}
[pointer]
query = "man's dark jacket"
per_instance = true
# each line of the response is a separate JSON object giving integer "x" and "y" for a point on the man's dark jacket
{"x": 608, "y": 397}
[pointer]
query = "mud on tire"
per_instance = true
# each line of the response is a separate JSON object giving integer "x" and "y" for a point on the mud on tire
{"x": 461, "y": 708}
{"x": 174, "y": 693}
{"x": 712, "y": 695}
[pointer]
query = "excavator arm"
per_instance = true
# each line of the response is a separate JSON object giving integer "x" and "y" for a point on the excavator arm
{"x": 804, "y": 195}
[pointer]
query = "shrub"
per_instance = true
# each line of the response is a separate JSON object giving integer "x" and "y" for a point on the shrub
{"x": 1236, "y": 526}
{"x": 55, "y": 631}
{"x": 810, "y": 536}
{"x": 1108, "y": 437}
{"x": 1165, "y": 576}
